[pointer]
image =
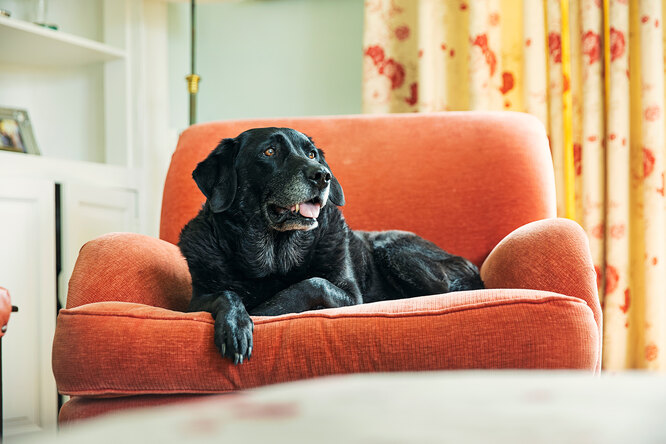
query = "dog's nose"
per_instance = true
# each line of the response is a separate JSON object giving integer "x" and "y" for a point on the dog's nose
{"x": 319, "y": 175}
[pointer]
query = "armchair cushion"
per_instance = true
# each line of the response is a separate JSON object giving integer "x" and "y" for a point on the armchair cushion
{"x": 151, "y": 350}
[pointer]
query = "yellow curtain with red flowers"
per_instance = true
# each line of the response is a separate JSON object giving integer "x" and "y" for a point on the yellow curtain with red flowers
{"x": 593, "y": 72}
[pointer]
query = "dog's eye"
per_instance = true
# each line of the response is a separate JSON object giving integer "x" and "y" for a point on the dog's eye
{"x": 269, "y": 152}
{"x": 312, "y": 154}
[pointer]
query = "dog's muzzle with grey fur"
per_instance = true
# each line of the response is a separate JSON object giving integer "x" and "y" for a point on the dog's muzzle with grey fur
{"x": 297, "y": 201}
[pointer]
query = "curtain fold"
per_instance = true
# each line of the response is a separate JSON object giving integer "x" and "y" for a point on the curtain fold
{"x": 652, "y": 266}
{"x": 593, "y": 72}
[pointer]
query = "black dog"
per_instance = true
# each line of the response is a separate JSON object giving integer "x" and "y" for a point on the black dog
{"x": 270, "y": 240}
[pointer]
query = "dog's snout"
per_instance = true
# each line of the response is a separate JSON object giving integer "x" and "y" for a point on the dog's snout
{"x": 319, "y": 175}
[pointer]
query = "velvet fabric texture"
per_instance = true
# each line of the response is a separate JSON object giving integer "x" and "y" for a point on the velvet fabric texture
{"x": 477, "y": 184}
{"x": 461, "y": 180}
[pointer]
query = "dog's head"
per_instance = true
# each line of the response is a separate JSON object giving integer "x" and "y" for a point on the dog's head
{"x": 277, "y": 170}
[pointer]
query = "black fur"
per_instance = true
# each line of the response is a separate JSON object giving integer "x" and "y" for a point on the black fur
{"x": 249, "y": 254}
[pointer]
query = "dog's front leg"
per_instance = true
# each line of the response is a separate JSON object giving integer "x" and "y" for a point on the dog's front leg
{"x": 233, "y": 326}
{"x": 305, "y": 295}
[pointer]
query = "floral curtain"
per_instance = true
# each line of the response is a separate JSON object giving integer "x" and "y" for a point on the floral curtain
{"x": 593, "y": 72}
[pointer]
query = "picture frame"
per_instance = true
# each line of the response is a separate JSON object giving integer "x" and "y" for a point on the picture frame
{"x": 16, "y": 132}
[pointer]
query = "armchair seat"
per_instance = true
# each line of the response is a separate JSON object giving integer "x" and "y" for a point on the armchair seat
{"x": 478, "y": 184}
{"x": 427, "y": 333}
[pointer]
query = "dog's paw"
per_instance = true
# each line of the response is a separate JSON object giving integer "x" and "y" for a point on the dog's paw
{"x": 233, "y": 335}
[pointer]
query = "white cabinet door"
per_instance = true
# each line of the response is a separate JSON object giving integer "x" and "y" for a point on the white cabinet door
{"x": 86, "y": 213}
{"x": 27, "y": 269}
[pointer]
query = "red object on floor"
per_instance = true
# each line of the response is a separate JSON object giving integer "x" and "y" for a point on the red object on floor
{"x": 5, "y": 310}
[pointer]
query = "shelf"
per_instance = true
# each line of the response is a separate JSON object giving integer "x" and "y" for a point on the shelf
{"x": 63, "y": 170}
{"x": 32, "y": 45}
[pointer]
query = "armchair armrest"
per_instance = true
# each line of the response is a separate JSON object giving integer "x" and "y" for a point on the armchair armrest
{"x": 549, "y": 254}
{"x": 130, "y": 267}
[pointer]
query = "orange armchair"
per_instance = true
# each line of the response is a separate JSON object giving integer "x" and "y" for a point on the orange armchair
{"x": 478, "y": 184}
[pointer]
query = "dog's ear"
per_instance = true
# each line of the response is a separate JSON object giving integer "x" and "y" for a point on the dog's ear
{"x": 216, "y": 175}
{"x": 336, "y": 195}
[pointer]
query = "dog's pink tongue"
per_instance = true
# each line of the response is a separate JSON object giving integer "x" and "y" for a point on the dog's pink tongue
{"x": 310, "y": 209}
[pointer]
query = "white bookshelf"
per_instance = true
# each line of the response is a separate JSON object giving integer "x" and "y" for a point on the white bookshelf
{"x": 36, "y": 46}
{"x": 76, "y": 82}
{"x": 83, "y": 87}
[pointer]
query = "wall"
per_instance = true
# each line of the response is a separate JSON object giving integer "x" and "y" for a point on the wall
{"x": 268, "y": 58}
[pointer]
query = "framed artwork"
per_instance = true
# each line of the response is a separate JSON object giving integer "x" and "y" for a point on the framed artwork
{"x": 16, "y": 132}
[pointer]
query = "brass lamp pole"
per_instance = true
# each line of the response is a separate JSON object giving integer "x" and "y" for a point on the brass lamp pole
{"x": 193, "y": 79}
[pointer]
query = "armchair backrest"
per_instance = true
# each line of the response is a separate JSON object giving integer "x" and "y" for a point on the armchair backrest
{"x": 463, "y": 180}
